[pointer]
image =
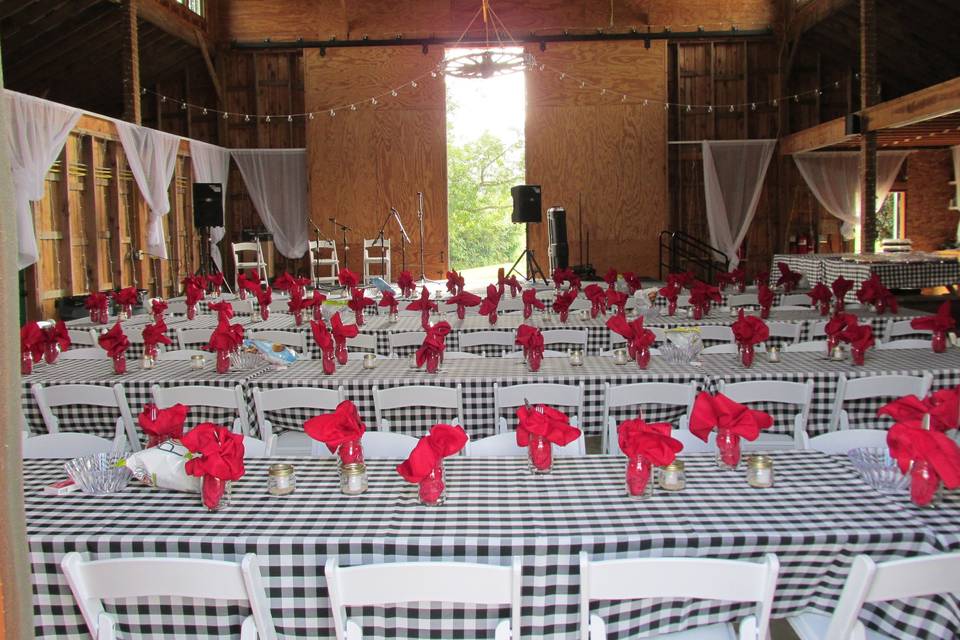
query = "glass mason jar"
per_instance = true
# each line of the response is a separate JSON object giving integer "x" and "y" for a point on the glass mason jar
{"x": 329, "y": 366}
{"x": 358, "y": 317}
{"x": 197, "y": 362}
{"x": 281, "y": 479}
{"x": 119, "y": 364}
{"x": 191, "y": 311}
{"x": 298, "y": 317}
{"x": 643, "y": 357}
{"x": 540, "y": 454}
{"x": 924, "y": 485}
{"x": 433, "y": 361}
{"x": 353, "y": 479}
{"x": 764, "y": 312}
{"x": 350, "y": 452}
{"x": 26, "y": 363}
{"x": 671, "y": 307}
{"x": 223, "y": 361}
{"x": 242, "y": 293}
{"x": 760, "y": 472}
{"x": 104, "y": 315}
{"x": 673, "y": 477}
{"x": 215, "y": 493}
{"x": 432, "y": 490}
{"x": 127, "y": 309}
{"x": 746, "y": 354}
{"x": 264, "y": 312}
{"x": 533, "y": 360}
{"x": 938, "y": 341}
{"x": 50, "y": 352}
{"x": 697, "y": 312}
{"x": 639, "y": 478}
{"x": 857, "y": 354}
{"x": 341, "y": 351}
{"x": 393, "y": 317}
{"x": 728, "y": 449}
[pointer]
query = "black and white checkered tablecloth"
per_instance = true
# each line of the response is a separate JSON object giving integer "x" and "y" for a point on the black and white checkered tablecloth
{"x": 136, "y": 383}
{"x": 810, "y": 265}
{"x": 895, "y": 271}
{"x": 816, "y": 519}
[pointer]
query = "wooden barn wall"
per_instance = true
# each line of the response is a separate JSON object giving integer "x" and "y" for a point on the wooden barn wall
{"x": 92, "y": 222}
{"x": 362, "y": 162}
{"x": 608, "y": 153}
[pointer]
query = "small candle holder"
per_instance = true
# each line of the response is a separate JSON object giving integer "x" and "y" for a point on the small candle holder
{"x": 281, "y": 479}
{"x": 576, "y": 358}
{"x": 197, "y": 362}
{"x": 760, "y": 472}
{"x": 122, "y": 315}
{"x": 353, "y": 479}
{"x": 673, "y": 477}
{"x": 773, "y": 354}
{"x": 369, "y": 361}
{"x": 620, "y": 356}
{"x": 838, "y": 353}
{"x": 147, "y": 362}
{"x": 734, "y": 311}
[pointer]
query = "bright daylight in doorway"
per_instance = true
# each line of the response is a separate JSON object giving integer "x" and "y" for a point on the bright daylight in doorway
{"x": 485, "y": 157}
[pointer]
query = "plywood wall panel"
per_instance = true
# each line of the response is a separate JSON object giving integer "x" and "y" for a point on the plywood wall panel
{"x": 609, "y": 153}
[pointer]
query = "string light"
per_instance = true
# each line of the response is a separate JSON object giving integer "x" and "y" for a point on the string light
{"x": 289, "y": 118}
{"x": 393, "y": 92}
{"x": 332, "y": 113}
{"x": 413, "y": 83}
{"x": 226, "y": 115}
{"x": 373, "y": 101}
{"x": 710, "y": 108}
{"x": 353, "y": 107}
{"x": 246, "y": 118}
{"x": 204, "y": 111}
{"x": 268, "y": 118}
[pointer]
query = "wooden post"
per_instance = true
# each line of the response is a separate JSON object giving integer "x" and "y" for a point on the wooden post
{"x": 16, "y": 621}
{"x": 868, "y": 141}
{"x": 92, "y": 219}
{"x": 130, "y": 62}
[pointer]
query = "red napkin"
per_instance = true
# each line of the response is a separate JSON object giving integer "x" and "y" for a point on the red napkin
{"x": 617, "y": 299}
{"x": 702, "y": 294}
{"x": 221, "y": 458}
{"x": 358, "y": 302}
{"x": 249, "y": 281}
{"x": 652, "y": 441}
{"x": 514, "y": 285}
{"x": 860, "y": 336}
{"x": 488, "y": 307}
{"x": 750, "y": 330}
{"x": 530, "y": 301}
{"x": 820, "y": 294}
{"x": 911, "y": 445}
{"x": 638, "y": 337}
{"x": 765, "y": 296}
{"x": 194, "y": 294}
{"x": 455, "y": 282}
{"x": 96, "y": 300}
{"x": 433, "y": 345}
{"x": 789, "y": 279}
{"x": 348, "y": 278}
{"x": 283, "y": 282}
{"x": 226, "y": 337}
{"x": 224, "y": 310}
{"x": 670, "y": 292}
{"x": 297, "y": 303}
{"x": 841, "y": 287}
{"x": 547, "y": 423}
{"x": 154, "y": 334}
{"x": 610, "y": 277}
{"x": 341, "y": 427}
{"x": 558, "y": 276}
{"x": 59, "y": 335}
{"x": 531, "y": 339}
{"x": 158, "y": 306}
{"x": 942, "y": 406}
{"x": 161, "y": 425}
{"x": 736, "y": 276}
{"x": 739, "y": 277}
{"x": 215, "y": 279}
{"x": 443, "y": 440}
{"x": 633, "y": 282}
{"x": 264, "y": 296}
{"x": 561, "y": 304}
{"x": 299, "y": 285}
{"x": 341, "y": 333}
{"x": 839, "y": 323}
{"x": 324, "y": 340}
{"x": 680, "y": 280}
{"x": 406, "y": 283}
{"x": 730, "y": 418}
{"x": 114, "y": 341}
{"x": 424, "y": 305}
{"x": 762, "y": 278}
{"x": 463, "y": 300}
{"x": 566, "y": 275}
{"x": 597, "y": 298}
{"x": 387, "y": 299}
{"x": 942, "y": 321}
{"x": 126, "y": 297}
{"x": 32, "y": 340}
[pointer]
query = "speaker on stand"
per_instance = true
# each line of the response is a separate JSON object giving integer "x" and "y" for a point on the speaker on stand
{"x": 207, "y": 213}
{"x": 526, "y": 209}
{"x": 558, "y": 250}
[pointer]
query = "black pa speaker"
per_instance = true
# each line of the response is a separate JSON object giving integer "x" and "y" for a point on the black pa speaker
{"x": 561, "y": 255}
{"x": 526, "y": 203}
{"x": 207, "y": 204}
{"x": 557, "y": 224}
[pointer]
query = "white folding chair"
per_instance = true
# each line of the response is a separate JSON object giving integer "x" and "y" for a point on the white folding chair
{"x": 505, "y": 444}
{"x": 84, "y": 353}
{"x": 844, "y": 441}
{"x": 377, "y": 444}
{"x": 375, "y": 254}
{"x": 508, "y": 304}
{"x": 576, "y": 337}
{"x": 291, "y": 442}
{"x": 92, "y": 582}
{"x": 187, "y": 337}
{"x": 89, "y": 395}
{"x": 905, "y": 343}
{"x": 241, "y": 264}
{"x": 743, "y": 300}
{"x": 674, "y": 394}
{"x": 362, "y": 342}
{"x": 65, "y": 445}
{"x": 136, "y": 337}
{"x": 799, "y": 394}
{"x": 554, "y": 395}
{"x": 182, "y": 354}
{"x": 719, "y": 333}
{"x": 730, "y": 347}
{"x": 671, "y": 578}
{"x": 500, "y": 341}
{"x": 176, "y": 307}
{"x": 449, "y": 582}
{"x": 295, "y": 339}
{"x": 242, "y": 307}
{"x": 890, "y": 386}
{"x": 416, "y": 396}
{"x": 871, "y": 582}
{"x": 818, "y": 329}
{"x": 807, "y": 346}
{"x": 317, "y": 249}
{"x": 83, "y": 337}
{"x": 898, "y": 328}
{"x": 406, "y": 339}
{"x": 788, "y": 331}
{"x": 217, "y": 397}
{"x": 795, "y": 299}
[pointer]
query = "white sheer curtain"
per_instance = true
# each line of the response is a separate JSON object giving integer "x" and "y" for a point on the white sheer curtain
{"x": 277, "y": 182}
{"x": 834, "y": 178}
{"x": 733, "y": 173}
{"x": 152, "y": 156}
{"x": 36, "y": 132}
{"x": 212, "y": 164}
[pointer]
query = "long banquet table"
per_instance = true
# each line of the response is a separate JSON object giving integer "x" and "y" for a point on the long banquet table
{"x": 816, "y": 519}
{"x": 916, "y": 270}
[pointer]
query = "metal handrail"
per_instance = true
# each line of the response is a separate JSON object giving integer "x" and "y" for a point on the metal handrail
{"x": 691, "y": 250}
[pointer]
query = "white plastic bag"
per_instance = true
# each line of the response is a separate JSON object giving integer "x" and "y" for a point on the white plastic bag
{"x": 164, "y": 466}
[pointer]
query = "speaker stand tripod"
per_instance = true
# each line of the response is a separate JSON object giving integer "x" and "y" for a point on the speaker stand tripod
{"x": 207, "y": 265}
{"x": 533, "y": 267}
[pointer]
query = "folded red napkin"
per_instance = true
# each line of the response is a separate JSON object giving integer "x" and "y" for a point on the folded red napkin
{"x": 324, "y": 341}
{"x": 789, "y": 279}
{"x": 941, "y": 321}
{"x": 617, "y": 299}
{"x": 341, "y": 333}
{"x": 544, "y": 422}
{"x": 638, "y": 337}
{"x": 407, "y": 284}
{"x": 530, "y": 301}
{"x": 859, "y": 336}
{"x": 154, "y": 334}
{"x": 357, "y": 303}
{"x": 736, "y": 276}
{"x": 161, "y": 425}
{"x": 820, "y": 294}
{"x": 297, "y": 303}
{"x": 531, "y": 340}
{"x": 194, "y": 294}
{"x": 610, "y": 277}
{"x": 264, "y": 296}
{"x": 348, "y": 278}
{"x": 566, "y": 275}
{"x": 431, "y": 350}
{"x": 342, "y": 427}
{"x": 389, "y": 300}
{"x": 681, "y": 279}
{"x": 841, "y": 287}
{"x": 514, "y": 285}
{"x": 32, "y": 340}
{"x": 455, "y": 282}
{"x": 942, "y": 406}
{"x": 96, "y": 301}
{"x": 653, "y": 441}
{"x": 633, "y": 282}
{"x": 764, "y": 296}
{"x": 126, "y": 297}
{"x": 762, "y": 277}
{"x": 226, "y": 337}
{"x": 598, "y": 299}
{"x": 839, "y": 323}
{"x": 732, "y": 421}
{"x": 158, "y": 307}
{"x": 918, "y": 450}
{"x": 114, "y": 342}
{"x": 703, "y": 294}
{"x": 443, "y": 440}
{"x": 283, "y": 282}
{"x": 249, "y": 281}
{"x": 873, "y": 292}
{"x": 670, "y": 292}
{"x": 562, "y": 302}
{"x": 424, "y": 305}
{"x": 488, "y": 307}
{"x": 220, "y": 459}
{"x": 317, "y": 300}
{"x": 215, "y": 279}
{"x": 59, "y": 335}
{"x": 750, "y": 330}
{"x": 464, "y": 299}
{"x": 224, "y": 310}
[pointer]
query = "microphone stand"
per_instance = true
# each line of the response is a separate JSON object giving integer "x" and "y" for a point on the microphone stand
{"x": 423, "y": 274}
{"x": 404, "y": 242}
{"x": 383, "y": 249}
{"x": 320, "y": 236}
{"x": 346, "y": 249}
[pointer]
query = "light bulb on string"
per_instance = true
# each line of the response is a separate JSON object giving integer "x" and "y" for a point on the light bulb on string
{"x": 332, "y": 113}
{"x": 310, "y": 115}
{"x": 774, "y": 102}
{"x": 623, "y": 98}
{"x": 603, "y": 92}
{"x": 582, "y": 84}
{"x": 688, "y": 108}
{"x": 413, "y": 83}
{"x": 753, "y": 106}
{"x": 226, "y": 115}
{"x": 731, "y": 109}
{"x": 373, "y": 101}
{"x": 289, "y": 118}
{"x": 143, "y": 91}
{"x": 393, "y": 92}
{"x": 644, "y": 103}
{"x": 666, "y": 106}
{"x": 796, "y": 97}
{"x": 246, "y": 118}
{"x": 353, "y": 107}
{"x": 163, "y": 98}
{"x": 710, "y": 108}
{"x": 267, "y": 119}
{"x": 183, "y": 106}
{"x": 433, "y": 74}
{"x": 562, "y": 76}
{"x": 204, "y": 111}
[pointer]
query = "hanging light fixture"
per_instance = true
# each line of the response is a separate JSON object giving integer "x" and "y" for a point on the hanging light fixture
{"x": 493, "y": 60}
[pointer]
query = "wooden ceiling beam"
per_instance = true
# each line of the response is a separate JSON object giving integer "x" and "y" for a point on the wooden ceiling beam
{"x": 939, "y": 100}
{"x": 822, "y": 135}
{"x": 164, "y": 17}
{"x": 54, "y": 21}
{"x": 813, "y": 13}
{"x": 53, "y": 54}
